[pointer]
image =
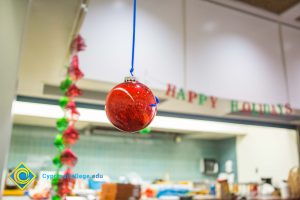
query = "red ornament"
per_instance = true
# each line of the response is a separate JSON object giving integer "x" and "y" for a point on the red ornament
{"x": 70, "y": 136}
{"x": 68, "y": 157}
{"x": 73, "y": 91}
{"x": 68, "y": 175}
{"x": 72, "y": 111}
{"x": 129, "y": 106}
{"x": 74, "y": 71}
{"x": 66, "y": 183}
{"x": 78, "y": 44}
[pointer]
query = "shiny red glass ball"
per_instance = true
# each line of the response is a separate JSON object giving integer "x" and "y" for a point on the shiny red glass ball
{"x": 128, "y": 106}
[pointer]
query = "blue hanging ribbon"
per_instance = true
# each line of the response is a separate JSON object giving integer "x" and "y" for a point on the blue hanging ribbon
{"x": 155, "y": 104}
{"x": 133, "y": 38}
{"x": 133, "y": 48}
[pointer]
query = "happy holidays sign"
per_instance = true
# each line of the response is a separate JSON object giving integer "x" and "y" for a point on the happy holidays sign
{"x": 245, "y": 107}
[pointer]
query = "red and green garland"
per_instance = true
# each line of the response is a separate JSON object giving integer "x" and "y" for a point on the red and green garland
{"x": 67, "y": 133}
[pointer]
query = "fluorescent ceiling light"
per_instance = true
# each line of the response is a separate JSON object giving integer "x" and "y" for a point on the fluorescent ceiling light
{"x": 99, "y": 116}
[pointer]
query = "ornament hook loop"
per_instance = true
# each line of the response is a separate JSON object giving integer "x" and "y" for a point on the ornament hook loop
{"x": 130, "y": 79}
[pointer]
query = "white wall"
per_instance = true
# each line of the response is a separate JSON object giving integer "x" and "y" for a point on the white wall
{"x": 272, "y": 151}
{"x": 159, "y": 41}
{"x": 291, "y": 41}
{"x": 12, "y": 18}
{"x": 233, "y": 55}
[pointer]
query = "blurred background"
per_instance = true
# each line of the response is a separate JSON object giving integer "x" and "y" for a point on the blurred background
{"x": 226, "y": 73}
